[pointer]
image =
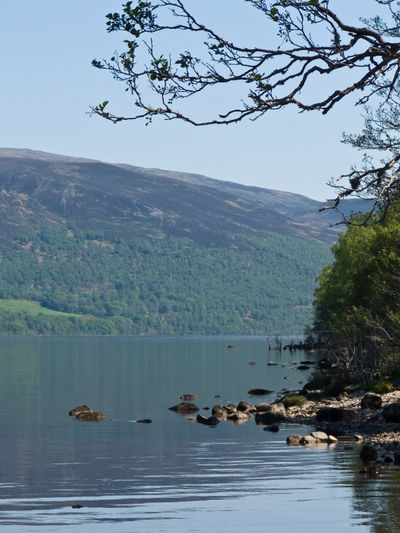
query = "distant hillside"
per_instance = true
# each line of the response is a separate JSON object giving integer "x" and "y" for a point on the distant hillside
{"x": 129, "y": 250}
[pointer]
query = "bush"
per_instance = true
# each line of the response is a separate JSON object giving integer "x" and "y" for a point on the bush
{"x": 294, "y": 400}
{"x": 317, "y": 382}
{"x": 335, "y": 389}
{"x": 382, "y": 387}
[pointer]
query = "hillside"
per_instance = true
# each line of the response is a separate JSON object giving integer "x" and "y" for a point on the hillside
{"x": 121, "y": 249}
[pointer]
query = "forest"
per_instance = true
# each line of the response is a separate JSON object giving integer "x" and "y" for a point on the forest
{"x": 157, "y": 286}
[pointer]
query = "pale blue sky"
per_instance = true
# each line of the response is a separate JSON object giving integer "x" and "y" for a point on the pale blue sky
{"x": 48, "y": 85}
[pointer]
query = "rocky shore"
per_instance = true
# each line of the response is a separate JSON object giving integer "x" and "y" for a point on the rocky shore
{"x": 373, "y": 419}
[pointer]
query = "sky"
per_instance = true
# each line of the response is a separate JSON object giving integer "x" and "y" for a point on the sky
{"x": 48, "y": 85}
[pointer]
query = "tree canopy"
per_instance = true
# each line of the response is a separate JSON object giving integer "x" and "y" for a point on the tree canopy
{"x": 357, "y": 303}
{"x": 315, "y": 42}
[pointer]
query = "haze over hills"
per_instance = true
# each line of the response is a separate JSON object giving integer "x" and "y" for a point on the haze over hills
{"x": 132, "y": 250}
{"x": 203, "y": 206}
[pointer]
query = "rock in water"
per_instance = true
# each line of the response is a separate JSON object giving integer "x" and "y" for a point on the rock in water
{"x": 275, "y": 414}
{"x": 293, "y": 440}
{"x": 320, "y": 436}
{"x": 189, "y": 397}
{"x": 246, "y": 407}
{"x": 259, "y": 392}
{"x": 93, "y": 416}
{"x": 184, "y": 408}
{"x": 368, "y": 453}
{"x": 80, "y": 409}
{"x": 210, "y": 421}
{"x": 274, "y": 428}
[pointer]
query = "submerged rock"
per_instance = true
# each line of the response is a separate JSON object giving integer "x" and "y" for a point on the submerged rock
{"x": 184, "y": 408}
{"x": 274, "y": 428}
{"x": 259, "y": 392}
{"x": 189, "y": 397}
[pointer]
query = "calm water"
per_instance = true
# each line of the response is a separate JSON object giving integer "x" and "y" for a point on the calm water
{"x": 171, "y": 475}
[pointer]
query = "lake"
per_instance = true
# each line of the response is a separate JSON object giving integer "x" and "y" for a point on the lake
{"x": 171, "y": 475}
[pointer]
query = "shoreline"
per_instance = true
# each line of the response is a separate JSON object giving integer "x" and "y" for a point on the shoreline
{"x": 368, "y": 423}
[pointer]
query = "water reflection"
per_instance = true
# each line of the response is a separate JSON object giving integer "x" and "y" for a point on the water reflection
{"x": 375, "y": 502}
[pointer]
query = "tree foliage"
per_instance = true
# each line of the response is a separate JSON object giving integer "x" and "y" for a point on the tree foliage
{"x": 380, "y": 135}
{"x": 159, "y": 286}
{"x": 357, "y": 303}
{"x": 309, "y": 42}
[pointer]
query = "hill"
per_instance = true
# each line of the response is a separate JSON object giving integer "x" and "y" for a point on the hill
{"x": 121, "y": 249}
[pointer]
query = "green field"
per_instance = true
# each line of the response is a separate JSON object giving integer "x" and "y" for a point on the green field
{"x": 33, "y": 308}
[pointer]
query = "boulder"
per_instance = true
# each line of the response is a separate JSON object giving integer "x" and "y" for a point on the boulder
{"x": 368, "y": 453}
{"x": 332, "y": 439}
{"x": 238, "y": 415}
{"x": 275, "y": 414}
{"x": 391, "y": 412}
{"x": 307, "y": 440}
{"x": 335, "y": 414}
{"x": 219, "y": 412}
{"x": 245, "y": 407}
{"x": 371, "y": 401}
{"x": 320, "y": 436}
{"x": 80, "y": 409}
{"x": 293, "y": 440}
{"x": 210, "y": 421}
{"x": 92, "y": 416}
{"x": 230, "y": 408}
{"x": 261, "y": 407}
{"x": 184, "y": 408}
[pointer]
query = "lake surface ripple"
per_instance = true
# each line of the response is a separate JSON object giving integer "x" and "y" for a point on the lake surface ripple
{"x": 171, "y": 475}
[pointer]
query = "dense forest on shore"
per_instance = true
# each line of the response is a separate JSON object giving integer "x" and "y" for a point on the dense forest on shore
{"x": 157, "y": 286}
{"x": 94, "y": 248}
{"x": 357, "y": 303}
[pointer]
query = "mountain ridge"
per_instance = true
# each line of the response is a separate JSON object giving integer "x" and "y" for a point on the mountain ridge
{"x": 119, "y": 249}
{"x": 285, "y": 212}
